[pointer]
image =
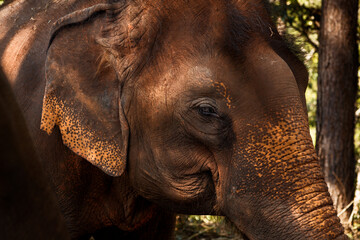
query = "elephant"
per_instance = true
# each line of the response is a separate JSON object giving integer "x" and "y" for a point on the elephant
{"x": 143, "y": 109}
{"x": 27, "y": 204}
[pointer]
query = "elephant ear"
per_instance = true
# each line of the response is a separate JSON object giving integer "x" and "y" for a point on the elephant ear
{"x": 83, "y": 93}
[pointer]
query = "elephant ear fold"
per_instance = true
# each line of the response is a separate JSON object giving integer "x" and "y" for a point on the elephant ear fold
{"x": 83, "y": 98}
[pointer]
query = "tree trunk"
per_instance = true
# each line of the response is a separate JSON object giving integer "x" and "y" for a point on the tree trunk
{"x": 337, "y": 88}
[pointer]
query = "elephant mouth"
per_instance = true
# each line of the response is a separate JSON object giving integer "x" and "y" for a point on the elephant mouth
{"x": 191, "y": 194}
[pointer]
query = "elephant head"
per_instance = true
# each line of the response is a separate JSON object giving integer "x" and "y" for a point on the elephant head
{"x": 200, "y": 102}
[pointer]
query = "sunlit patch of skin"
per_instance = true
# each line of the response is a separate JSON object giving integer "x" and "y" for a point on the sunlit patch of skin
{"x": 7, "y": 15}
{"x": 81, "y": 139}
{"x": 14, "y": 53}
{"x": 199, "y": 76}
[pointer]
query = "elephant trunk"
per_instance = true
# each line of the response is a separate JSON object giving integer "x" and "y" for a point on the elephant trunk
{"x": 301, "y": 209}
{"x": 284, "y": 225}
{"x": 278, "y": 191}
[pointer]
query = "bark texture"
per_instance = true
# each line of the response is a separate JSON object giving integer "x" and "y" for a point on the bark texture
{"x": 337, "y": 87}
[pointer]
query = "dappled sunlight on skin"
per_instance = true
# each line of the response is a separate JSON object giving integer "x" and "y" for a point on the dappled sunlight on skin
{"x": 14, "y": 53}
{"x": 7, "y": 14}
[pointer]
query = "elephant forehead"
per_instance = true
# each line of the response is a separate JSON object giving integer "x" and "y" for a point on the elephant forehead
{"x": 265, "y": 65}
{"x": 191, "y": 82}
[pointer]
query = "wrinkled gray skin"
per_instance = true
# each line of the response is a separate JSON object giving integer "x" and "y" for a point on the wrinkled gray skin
{"x": 140, "y": 109}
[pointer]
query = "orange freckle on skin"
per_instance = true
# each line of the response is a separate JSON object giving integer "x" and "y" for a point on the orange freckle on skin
{"x": 221, "y": 88}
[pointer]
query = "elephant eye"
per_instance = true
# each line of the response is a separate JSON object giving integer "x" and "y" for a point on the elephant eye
{"x": 207, "y": 110}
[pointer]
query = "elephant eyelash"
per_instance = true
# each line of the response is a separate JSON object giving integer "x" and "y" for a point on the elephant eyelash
{"x": 207, "y": 110}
